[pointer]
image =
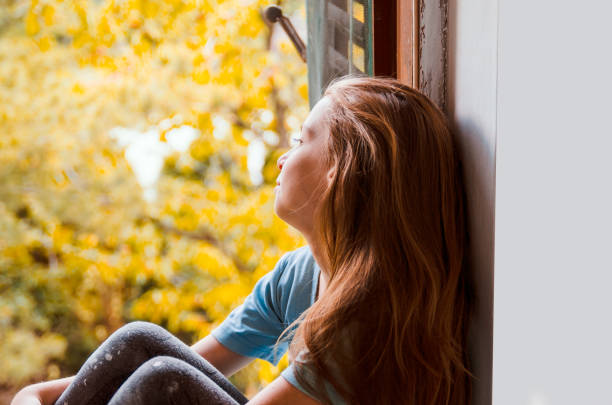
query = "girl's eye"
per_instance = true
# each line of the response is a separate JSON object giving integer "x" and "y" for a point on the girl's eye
{"x": 296, "y": 142}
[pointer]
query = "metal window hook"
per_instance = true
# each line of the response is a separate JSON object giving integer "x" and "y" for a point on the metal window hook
{"x": 275, "y": 13}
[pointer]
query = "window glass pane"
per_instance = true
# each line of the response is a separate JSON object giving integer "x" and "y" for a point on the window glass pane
{"x": 339, "y": 41}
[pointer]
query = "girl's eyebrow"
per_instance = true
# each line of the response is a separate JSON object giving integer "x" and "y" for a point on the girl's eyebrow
{"x": 305, "y": 131}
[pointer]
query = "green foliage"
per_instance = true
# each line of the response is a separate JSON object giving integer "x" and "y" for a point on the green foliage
{"x": 85, "y": 244}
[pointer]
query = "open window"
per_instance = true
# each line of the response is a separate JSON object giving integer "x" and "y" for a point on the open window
{"x": 372, "y": 37}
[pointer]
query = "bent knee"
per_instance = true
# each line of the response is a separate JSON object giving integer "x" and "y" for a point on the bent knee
{"x": 165, "y": 363}
{"x": 164, "y": 367}
{"x": 140, "y": 332}
{"x": 154, "y": 382}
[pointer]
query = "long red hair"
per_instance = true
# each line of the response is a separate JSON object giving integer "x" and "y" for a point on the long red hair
{"x": 391, "y": 326}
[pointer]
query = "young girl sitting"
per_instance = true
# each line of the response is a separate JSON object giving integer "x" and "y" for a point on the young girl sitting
{"x": 373, "y": 311}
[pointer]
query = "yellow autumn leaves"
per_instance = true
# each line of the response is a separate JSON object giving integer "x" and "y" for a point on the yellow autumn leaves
{"x": 83, "y": 247}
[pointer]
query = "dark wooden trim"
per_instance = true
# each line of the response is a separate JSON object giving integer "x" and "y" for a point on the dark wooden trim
{"x": 384, "y": 31}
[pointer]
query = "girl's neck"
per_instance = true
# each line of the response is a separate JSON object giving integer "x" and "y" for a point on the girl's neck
{"x": 322, "y": 262}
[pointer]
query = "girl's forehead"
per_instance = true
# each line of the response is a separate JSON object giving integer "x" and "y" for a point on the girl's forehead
{"x": 315, "y": 122}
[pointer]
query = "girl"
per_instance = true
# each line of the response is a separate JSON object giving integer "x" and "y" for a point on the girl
{"x": 373, "y": 311}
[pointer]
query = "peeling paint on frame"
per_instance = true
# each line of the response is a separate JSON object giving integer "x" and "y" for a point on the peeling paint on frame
{"x": 433, "y": 17}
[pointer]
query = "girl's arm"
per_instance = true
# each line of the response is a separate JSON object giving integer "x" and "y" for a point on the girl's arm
{"x": 222, "y": 358}
{"x": 281, "y": 392}
{"x": 278, "y": 392}
{"x": 44, "y": 393}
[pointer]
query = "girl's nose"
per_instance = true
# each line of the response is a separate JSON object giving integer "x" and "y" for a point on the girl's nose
{"x": 281, "y": 161}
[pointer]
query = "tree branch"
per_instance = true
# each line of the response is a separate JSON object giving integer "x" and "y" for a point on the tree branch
{"x": 202, "y": 235}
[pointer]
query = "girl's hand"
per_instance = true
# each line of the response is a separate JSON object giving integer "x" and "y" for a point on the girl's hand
{"x": 26, "y": 397}
{"x": 44, "y": 393}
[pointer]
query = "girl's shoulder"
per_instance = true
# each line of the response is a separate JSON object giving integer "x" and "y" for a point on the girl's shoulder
{"x": 296, "y": 280}
{"x": 298, "y": 262}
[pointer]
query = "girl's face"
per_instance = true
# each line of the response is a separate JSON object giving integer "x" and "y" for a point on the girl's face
{"x": 303, "y": 176}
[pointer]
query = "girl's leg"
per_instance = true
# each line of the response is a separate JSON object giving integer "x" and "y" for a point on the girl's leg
{"x": 168, "y": 381}
{"x": 124, "y": 352}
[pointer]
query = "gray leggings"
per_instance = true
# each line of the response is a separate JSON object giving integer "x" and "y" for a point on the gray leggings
{"x": 142, "y": 363}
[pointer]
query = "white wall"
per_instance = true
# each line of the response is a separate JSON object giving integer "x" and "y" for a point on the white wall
{"x": 553, "y": 241}
{"x": 529, "y": 89}
{"x": 471, "y": 89}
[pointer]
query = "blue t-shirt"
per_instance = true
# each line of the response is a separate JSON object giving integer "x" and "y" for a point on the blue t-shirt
{"x": 277, "y": 300}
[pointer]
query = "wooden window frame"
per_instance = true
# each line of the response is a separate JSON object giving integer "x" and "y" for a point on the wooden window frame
{"x": 395, "y": 43}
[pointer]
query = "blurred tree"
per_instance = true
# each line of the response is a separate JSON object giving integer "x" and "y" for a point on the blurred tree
{"x": 138, "y": 148}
